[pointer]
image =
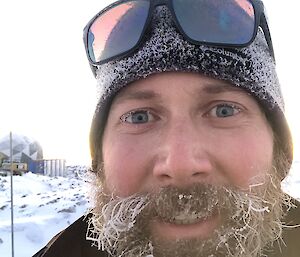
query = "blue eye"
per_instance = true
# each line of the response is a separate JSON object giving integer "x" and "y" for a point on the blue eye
{"x": 137, "y": 117}
{"x": 224, "y": 110}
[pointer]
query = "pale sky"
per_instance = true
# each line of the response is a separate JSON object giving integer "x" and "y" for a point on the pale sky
{"x": 47, "y": 88}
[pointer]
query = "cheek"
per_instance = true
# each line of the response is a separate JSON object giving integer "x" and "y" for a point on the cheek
{"x": 248, "y": 158}
{"x": 125, "y": 166}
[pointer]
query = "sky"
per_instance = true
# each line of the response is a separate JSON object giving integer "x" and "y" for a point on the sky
{"x": 47, "y": 90}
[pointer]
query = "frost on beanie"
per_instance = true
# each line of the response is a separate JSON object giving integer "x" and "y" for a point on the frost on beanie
{"x": 164, "y": 49}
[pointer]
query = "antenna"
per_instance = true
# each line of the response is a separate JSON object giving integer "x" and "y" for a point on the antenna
{"x": 11, "y": 196}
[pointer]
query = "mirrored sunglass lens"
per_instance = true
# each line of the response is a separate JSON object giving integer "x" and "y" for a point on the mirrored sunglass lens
{"x": 216, "y": 21}
{"x": 117, "y": 30}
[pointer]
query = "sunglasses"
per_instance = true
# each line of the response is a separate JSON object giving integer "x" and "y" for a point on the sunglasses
{"x": 118, "y": 30}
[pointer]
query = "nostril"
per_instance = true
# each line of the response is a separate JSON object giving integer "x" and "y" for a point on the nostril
{"x": 197, "y": 174}
{"x": 165, "y": 176}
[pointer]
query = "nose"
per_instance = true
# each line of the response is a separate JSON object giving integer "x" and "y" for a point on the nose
{"x": 183, "y": 157}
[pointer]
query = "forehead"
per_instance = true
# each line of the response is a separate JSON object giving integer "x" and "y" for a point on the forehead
{"x": 177, "y": 84}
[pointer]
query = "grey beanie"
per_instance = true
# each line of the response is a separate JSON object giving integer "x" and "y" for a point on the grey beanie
{"x": 164, "y": 49}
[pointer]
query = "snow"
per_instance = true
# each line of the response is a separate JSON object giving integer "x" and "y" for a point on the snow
{"x": 43, "y": 206}
{"x": 291, "y": 184}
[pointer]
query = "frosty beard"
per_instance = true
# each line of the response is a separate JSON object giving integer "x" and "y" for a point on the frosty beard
{"x": 251, "y": 220}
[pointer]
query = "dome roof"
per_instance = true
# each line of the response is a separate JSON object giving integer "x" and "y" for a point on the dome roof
{"x": 24, "y": 148}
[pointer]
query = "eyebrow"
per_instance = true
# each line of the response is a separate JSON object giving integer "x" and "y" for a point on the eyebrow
{"x": 216, "y": 88}
{"x": 137, "y": 95}
{"x": 209, "y": 88}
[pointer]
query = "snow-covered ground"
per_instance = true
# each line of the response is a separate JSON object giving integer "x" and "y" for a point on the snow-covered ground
{"x": 43, "y": 206}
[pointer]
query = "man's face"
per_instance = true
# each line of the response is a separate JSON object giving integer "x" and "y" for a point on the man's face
{"x": 180, "y": 130}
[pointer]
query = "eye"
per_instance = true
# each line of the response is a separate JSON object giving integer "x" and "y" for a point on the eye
{"x": 137, "y": 117}
{"x": 224, "y": 110}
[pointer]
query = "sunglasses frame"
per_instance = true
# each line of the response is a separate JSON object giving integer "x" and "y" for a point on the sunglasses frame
{"x": 259, "y": 14}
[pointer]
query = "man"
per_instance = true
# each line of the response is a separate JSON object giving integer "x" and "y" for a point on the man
{"x": 189, "y": 140}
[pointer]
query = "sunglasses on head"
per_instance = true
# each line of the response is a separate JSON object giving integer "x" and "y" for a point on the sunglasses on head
{"x": 118, "y": 30}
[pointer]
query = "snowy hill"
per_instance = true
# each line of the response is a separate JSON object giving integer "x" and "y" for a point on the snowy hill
{"x": 43, "y": 206}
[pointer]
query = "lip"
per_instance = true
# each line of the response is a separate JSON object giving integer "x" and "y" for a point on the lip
{"x": 201, "y": 229}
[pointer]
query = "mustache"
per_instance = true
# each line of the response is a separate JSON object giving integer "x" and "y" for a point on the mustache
{"x": 174, "y": 204}
{"x": 198, "y": 200}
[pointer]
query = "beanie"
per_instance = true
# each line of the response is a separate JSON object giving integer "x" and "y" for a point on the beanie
{"x": 164, "y": 49}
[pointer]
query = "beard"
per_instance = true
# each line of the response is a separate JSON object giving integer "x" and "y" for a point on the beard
{"x": 250, "y": 219}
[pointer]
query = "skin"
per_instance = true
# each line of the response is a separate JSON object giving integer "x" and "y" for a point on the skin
{"x": 178, "y": 129}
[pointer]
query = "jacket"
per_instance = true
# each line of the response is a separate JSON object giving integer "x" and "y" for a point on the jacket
{"x": 71, "y": 242}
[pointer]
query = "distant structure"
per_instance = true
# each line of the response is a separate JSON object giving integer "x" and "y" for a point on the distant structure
{"x": 52, "y": 167}
{"x": 23, "y": 148}
{"x": 2, "y": 157}
{"x": 29, "y": 152}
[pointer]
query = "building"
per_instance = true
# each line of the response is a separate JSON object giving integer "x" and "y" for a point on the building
{"x": 29, "y": 152}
